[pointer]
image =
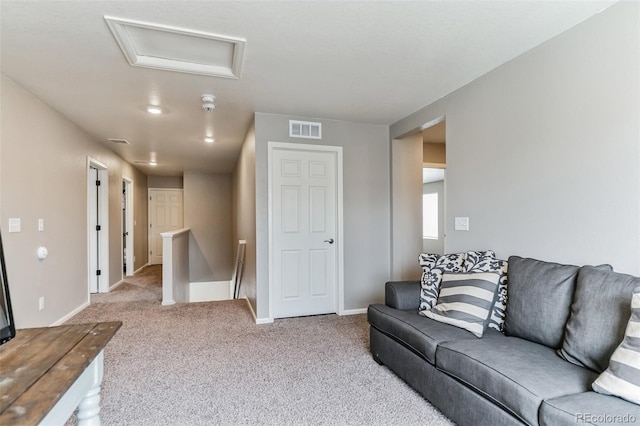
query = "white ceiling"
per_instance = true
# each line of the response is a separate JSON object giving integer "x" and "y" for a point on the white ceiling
{"x": 373, "y": 62}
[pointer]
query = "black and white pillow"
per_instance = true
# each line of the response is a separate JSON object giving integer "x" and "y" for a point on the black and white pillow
{"x": 622, "y": 378}
{"x": 465, "y": 300}
{"x": 433, "y": 267}
{"x": 485, "y": 261}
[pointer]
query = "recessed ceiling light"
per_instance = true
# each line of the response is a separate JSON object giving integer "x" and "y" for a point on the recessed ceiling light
{"x": 209, "y": 139}
{"x": 155, "y": 110}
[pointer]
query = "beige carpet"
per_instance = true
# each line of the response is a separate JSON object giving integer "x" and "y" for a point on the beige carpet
{"x": 210, "y": 364}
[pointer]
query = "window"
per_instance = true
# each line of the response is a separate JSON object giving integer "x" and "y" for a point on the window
{"x": 430, "y": 216}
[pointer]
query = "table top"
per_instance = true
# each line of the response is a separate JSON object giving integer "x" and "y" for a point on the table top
{"x": 39, "y": 365}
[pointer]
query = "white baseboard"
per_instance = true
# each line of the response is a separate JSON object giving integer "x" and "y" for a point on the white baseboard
{"x": 116, "y": 284}
{"x": 139, "y": 269}
{"x": 70, "y": 314}
{"x": 354, "y": 311}
{"x": 210, "y": 291}
{"x": 253, "y": 314}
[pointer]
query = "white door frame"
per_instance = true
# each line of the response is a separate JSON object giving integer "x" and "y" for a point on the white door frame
{"x": 128, "y": 192}
{"x": 271, "y": 146}
{"x": 96, "y": 283}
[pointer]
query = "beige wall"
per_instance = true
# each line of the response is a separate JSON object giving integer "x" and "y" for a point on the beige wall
{"x": 43, "y": 175}
{"x": 207, "y": 211}
{"x": 244, "y": 213}
{"x": 543, "y": 153}
{"x": 165, "y": 182}
{"x": 434, "y": 154}
{"x": 406, "y": 207}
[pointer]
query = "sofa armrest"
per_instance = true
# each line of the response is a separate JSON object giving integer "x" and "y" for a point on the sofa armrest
{"x": 402, "y": 294}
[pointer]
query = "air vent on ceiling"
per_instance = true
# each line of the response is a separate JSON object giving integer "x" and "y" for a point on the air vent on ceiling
{"x": 305, "y": 129}
{"x": 121, "y": 141}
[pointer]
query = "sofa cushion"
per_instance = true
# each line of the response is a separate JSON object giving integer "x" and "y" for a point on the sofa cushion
{"x": 433, "y": 266}
{"x": 416, "y": 332}
{"x": 514, "y": 373}
{"x": 622, "y": 378}
{"x": 599, "y": 314}
{"x": 588, "y": 408}
{"x": 486, "y": 262}
{"x": 465, "y": 300}
{"x": 540, "y": 295}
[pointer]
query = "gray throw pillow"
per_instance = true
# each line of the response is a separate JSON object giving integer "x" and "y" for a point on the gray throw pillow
{"x": 599, "y": 314}
{"x": 540, "y": 295}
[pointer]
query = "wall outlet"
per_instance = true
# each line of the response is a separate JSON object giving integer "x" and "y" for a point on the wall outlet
{"x": 41, "y": 303}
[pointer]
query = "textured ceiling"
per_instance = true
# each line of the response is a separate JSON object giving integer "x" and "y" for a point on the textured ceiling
{"x": 373, "y": 62}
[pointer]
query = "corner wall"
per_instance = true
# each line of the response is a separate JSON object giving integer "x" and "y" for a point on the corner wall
{"x": 207, "y": 212}
{"x": 244, "y": 213}
{"x": 44, "y": 175}
{"x": 543, "y": 153}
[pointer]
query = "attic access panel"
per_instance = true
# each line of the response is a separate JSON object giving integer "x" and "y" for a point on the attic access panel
{"x": 176, "y": 49}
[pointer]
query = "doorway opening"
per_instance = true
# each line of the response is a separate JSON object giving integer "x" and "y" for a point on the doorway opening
{"x": 434, "y": 162}
{"x": 128, "y": 253}
{"x": 97, "y": 226}
{"x": 421, "y": 148}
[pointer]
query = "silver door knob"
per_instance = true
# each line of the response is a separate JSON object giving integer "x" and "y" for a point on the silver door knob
{"x": 330, "y": 241}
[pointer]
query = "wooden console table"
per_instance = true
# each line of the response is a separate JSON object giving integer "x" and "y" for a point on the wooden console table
{"x": 45, "y": 373}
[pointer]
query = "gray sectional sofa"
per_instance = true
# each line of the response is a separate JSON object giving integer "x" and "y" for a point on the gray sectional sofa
{"x": 562, "y": 324}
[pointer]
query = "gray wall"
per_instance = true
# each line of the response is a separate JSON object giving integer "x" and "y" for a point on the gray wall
{"x": 406, "y": 207}
{"x": 366, "y": 205}
{"x": 207, "y": 211}
{"x": 435, "y": 246}
{"x": 43, "y": 169}
{"x": 165, "y": 182}
{"x": 244, "y": 212}
{"x": 543, "y": 153}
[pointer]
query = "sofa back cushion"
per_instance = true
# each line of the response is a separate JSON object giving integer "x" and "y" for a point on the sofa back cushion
{"x": 540, "y": 295}
{"x": 599, "y": 315}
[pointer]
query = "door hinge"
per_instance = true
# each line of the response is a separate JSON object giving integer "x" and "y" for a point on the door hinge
{"x": 150, "y": 225}
{"x": 97, "y": 183}
{"x": 98, "y": 228}
{"x": 98, "y": 272}
{"x": 150, "y": 251}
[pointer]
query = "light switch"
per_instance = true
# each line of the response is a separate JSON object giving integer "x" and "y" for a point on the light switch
{"x": 40, "y": 225}
{"x": 15, "y": 224}
{"x": 461, "y": 224}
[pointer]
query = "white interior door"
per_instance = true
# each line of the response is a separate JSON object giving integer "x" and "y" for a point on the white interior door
{"x": 165, "y": 214}
{"x": 304, "y": 198}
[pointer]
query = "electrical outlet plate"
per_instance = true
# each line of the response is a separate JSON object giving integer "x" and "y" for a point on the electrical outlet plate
{"x": 41, "y": 303}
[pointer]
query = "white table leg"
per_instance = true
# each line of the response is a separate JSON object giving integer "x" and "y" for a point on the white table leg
{"x": 83, "y": 394}
{"x": 89, "y": 407}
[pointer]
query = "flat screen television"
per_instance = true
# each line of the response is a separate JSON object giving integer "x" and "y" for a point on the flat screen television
{"x": 7, "y": 327}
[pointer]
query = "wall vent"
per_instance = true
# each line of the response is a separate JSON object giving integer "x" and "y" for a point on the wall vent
{"x": 305, "y": 129}
{"x": 122, "y": 141}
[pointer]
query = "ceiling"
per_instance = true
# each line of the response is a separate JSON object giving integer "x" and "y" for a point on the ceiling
{"x": 372, "y": 62}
